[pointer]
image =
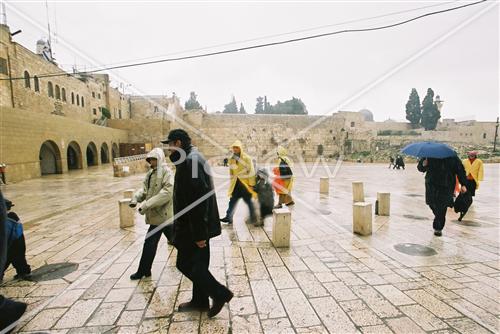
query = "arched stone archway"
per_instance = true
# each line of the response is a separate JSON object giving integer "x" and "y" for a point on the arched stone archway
{"x": 74, "y": 156}
{"x": 115, "y": 152}
{"x": 104, "y": 153}
{"x": 50, "y": 158}
{"x": 91, "y": 153}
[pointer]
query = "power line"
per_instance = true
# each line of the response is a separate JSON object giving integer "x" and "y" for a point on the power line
{"x": 282, "y": 34}
{"x": 259, "y": 46}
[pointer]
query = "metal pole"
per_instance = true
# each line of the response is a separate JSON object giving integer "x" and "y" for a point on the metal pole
{"x": 496, "y": 136}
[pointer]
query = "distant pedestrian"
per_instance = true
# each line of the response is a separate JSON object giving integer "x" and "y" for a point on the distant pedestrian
{"x": 284, "y": 175}
{"x": 225, "y": 161}
{"x": 474, "y": 171}
{"x": 391, "y": 162}
{"x": 16, "y": 244}
{"x": 3, "y": 168}
{"x": 440, "y": 175}
{"x": 156, "y": 201}
{"x": 242, "y": 173}
{"x": 196, "y": 222}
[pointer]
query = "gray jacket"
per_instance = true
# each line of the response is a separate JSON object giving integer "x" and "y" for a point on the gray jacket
{"x": 157, "y": 190}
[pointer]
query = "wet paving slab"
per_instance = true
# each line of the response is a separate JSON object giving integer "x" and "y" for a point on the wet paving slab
{"x": 401, "y": 279}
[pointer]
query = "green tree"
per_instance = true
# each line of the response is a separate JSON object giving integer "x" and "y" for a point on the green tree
{"x": 242, "y": 109}
{"x": 192, "y": 103}
{"x": 268, "y": 109}
{"x": 430, "y": 112}
{"x": 413, "y": 111}
{"x": 105, "y": 113}
{"x": 259, "y": 107}
{"x": 231, "y": 107}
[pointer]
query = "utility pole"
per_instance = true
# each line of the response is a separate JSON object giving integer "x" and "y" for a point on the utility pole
{"x": 496, "y": 136}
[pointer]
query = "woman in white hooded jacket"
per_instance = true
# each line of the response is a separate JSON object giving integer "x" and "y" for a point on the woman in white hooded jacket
{"x": 156, "y": 204}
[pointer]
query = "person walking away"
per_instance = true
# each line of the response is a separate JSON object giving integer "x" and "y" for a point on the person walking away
{"x": 242, "y": 174}
{"x": 284, "y": 187}
{"x": 155, "y": 198}
{"x": 439, "y": 186}
{"x": 196, "y": 222}
{"x": 391, "y": 161}
{"x": 225, "y": 161}
{"x": 10, "y": 310}
{"x": 474, "y": 171}
{"x": 400, "y": 162}
{"x": 16, "y": 245}
{"x": 265, "y": 194}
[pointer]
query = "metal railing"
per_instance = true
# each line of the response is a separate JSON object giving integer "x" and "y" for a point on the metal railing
{"x": 124, "y": 160}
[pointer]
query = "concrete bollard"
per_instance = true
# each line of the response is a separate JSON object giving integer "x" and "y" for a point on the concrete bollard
{"x": 324, "y": 185}
{"x": 362, "y": 218}
{"x": 282, "y": 223}
{"x": 128, "y": 193}
{"x": 127, "y": 213}
{"x": 358, "y": 194}
{"x": 384, "y": 203}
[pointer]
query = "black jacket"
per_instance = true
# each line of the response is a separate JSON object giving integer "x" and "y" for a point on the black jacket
{"x": 3, "y": 235}
{"x": 201, "y": 222}
{"x": 440, "y": 179}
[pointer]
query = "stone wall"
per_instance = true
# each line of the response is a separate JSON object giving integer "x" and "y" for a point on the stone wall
{"x": 143, "y": 130}
{"x": 23, "y": 133}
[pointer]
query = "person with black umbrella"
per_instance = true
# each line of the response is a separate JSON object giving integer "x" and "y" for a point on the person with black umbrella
{"x": 442, "y": 167}
{"x": 196, "y": 221}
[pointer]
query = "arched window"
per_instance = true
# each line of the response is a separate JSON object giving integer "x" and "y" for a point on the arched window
{"x": 77, "y": 99}
{"x": 72, "y": 98}
{"x": 50, "y": 89}
{"x": 27, "y": 83}
{"x": 63, "y": 94}
{"x": 37, "y": 83}
{"x": 83, "y": 102}
{"x": 58, "y": 92}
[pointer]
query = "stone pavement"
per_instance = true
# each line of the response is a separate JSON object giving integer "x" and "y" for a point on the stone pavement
{"x": 329, "y": 280}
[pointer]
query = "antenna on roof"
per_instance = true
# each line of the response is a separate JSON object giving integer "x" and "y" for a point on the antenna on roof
{"x": 48, "y": 28}
{"x": 3, "y": 13}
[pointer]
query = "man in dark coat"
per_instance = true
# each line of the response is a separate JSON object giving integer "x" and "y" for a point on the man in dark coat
{"x": 10, "y": 311}
{"x": 196, "y": 220}
{"x": 440, "y": 181}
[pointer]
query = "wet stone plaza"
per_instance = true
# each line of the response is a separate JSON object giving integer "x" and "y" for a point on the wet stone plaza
{"x": 401, "y": 279}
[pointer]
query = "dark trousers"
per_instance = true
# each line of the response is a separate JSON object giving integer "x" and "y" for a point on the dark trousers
{"x": 439, "y": 216}
{"x": 149, "y": 249}
{"x": 193, "y": 262}
{"x": 240, "y": 192}
{"x": 16, "y": 255}
{"x": 3, "y": 178}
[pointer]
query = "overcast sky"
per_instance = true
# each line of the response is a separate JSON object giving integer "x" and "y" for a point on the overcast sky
{"x": 326, "y": 73}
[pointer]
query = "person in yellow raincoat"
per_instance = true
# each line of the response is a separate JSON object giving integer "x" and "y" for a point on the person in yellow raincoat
{"x": 474, "y": 171}
{"x": 283, "y": 179}
{"x": 242, "y": 173}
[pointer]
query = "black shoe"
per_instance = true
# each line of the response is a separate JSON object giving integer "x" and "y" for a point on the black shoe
{"x": 227, "y": 220}
{"x": 291, "y": 203}
{"x": 11, "y": 312}
{"x": 462, "y": 214}
{"x": 24, "y": 276}
{"x": 139, "y": 275}
{"x": 438, "y": 233}
{"x": 218, "y": 305}
{"x": 278, "y": 206}
{"x": 190, "y": 307}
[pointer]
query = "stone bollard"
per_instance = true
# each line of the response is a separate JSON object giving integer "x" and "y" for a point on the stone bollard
{"x": 282, "y": 221}
{"x": 324, "y": 185}
{"x": 127, "y": 213}
{"x": 362, "y": 218}
{"x": 384, "y": 203}
{"x": 128, "y": 193}
{"x": 358, "y": 194}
